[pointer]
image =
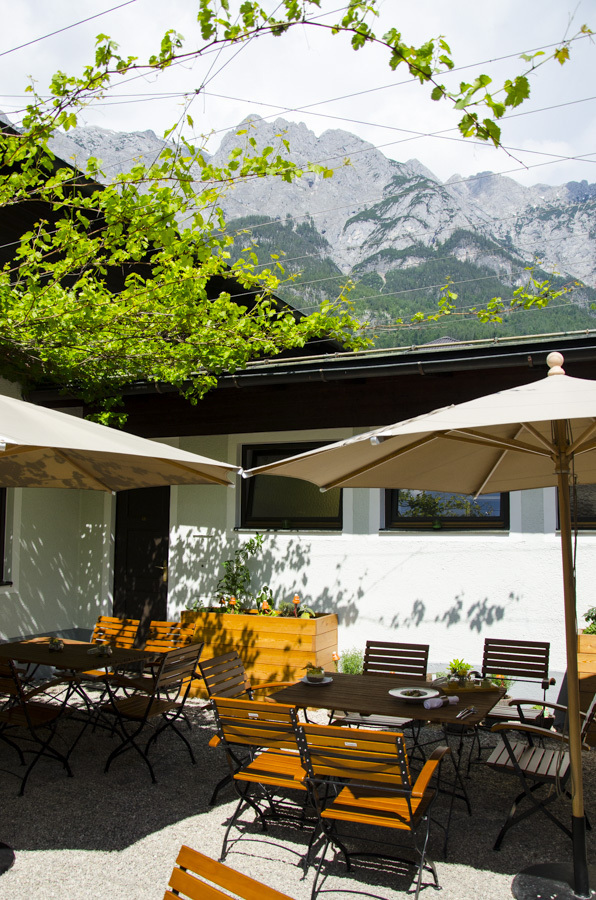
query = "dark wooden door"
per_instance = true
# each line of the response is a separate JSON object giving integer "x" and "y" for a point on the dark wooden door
{"x": 141, "y": 559}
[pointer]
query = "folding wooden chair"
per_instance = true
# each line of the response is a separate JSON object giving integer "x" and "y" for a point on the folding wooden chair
{"x": 164, "y": 704}
{"x": 391, "y": 659}
{"x": 225, "y": 676}
{"x": 521, "y": 661}
{"x": 198, "y": 877}
{"x": 267, "y": 731}
{"x": 370, "y": 782}
{"x": 37, "y": 719}
{"x": 543, "y": 772}
{"x": 161, "y": 637}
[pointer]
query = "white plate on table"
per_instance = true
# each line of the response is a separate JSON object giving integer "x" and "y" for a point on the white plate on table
{"x": 420, "y": 695}
{"x": 326, "y": 680}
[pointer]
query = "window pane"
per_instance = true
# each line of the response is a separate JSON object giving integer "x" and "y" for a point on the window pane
{"x": 583, "y": 505}
{"x": 270, "y": 501}
{"x": 436, "y": 509}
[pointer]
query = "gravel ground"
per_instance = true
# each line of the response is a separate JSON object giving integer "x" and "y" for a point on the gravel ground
{"x": 116, "y": 836}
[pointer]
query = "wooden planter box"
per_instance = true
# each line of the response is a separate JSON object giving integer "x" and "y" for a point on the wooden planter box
{"x": 586, "y": 664}
{"x": 272, "y": 648}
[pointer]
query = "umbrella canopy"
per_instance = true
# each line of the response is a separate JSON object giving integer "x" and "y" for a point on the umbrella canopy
{"x": 43, "y": 448}
{"x": 500, "y": 442}
{"x": 536, "y": 435}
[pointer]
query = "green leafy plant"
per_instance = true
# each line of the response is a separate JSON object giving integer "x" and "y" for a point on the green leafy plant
{"x": 459, "y": 668}
{"x": 314, "y": 672}
{"x": 295, "y": 608}
{"x": 351, "y": 661}
{"x": 590, "y": 617}
{"x": 234, "y": 592}
{"x": 61, "y": 321}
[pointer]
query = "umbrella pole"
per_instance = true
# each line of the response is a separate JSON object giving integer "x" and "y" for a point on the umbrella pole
{"x": 578, "y": 821}
{"x": 559, "y": 880}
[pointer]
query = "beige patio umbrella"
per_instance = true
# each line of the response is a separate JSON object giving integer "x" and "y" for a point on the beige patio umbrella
{"x": 43, "y": 448}
{"x": 537, "y": 435}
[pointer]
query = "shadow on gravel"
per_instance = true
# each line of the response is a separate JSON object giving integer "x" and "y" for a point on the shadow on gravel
{"x": 99, "y": 812}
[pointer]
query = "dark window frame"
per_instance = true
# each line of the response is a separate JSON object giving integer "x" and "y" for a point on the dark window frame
{"x": 583, "y": 523}
{"x": 250, "y": 459}
{"x": 395, "y": 522}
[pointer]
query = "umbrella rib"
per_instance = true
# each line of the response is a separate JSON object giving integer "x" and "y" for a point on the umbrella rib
{"x": 490, "y": 440}
{"x": 18, "y": 451}
{"x": 83, "y": 470}
{"x": 213, "y": 479}
{"x": 176, "y": 465}
{"x": 577, "y": 445}
{"x": 379, "y": 462}
{"x": 494, "y": 468}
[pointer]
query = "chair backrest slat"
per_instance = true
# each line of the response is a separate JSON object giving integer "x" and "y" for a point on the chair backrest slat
{"x": 388, "y": 658}
{"x": 162, "y": 636}
{"x": 193, "y": 871}
{"x": 336, "y": 752}
{"x": 225, "y": 676}
{"x": 589, "y": 719}
{"x": 177, "y": 669}
{"x": 114, "y": 631}
{"x": 256, "y": 724}
{"x": 522, "y": 660}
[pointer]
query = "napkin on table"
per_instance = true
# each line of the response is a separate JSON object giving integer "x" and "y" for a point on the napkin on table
{"x": 436, "y": 702}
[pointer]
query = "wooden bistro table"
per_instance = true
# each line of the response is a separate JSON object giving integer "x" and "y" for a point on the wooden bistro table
{"x": 75, "y": 656}
{"x": 73, "y": 659}
{"x": 369, "y": 695}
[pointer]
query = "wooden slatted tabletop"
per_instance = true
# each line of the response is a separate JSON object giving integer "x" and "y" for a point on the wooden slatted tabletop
{"x": 369, "y": 694}
{"x": 74, "y": 657}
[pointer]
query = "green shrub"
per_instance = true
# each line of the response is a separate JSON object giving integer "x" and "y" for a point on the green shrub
{"x": 351, "y": 662}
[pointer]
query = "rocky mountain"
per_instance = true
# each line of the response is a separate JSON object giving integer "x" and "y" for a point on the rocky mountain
{"x": 393, "y": 228}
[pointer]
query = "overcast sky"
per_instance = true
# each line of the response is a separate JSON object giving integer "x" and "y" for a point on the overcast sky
{"x": 311, "y": 77}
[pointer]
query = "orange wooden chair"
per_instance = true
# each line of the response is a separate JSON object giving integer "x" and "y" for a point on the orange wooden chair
{"x": 198, "y": 877}
{"x": 362, "y": 777}
{"x": 161, "y": 638}
{"x": 164, "y": 705}
{"x": 268, "y": 732}
{"x": 225, "y": 676}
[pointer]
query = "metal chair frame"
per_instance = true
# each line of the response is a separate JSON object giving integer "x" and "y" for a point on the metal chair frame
{"x": 165, "y": 702}
{"x": 268, "y": 732}
{"x": 225, "y": 676}
{"x": 536, "y": 767}
{"x": 369, "y": 775}
{"x": 25, "y": 713}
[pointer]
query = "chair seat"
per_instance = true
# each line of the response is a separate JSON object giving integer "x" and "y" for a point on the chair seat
{"x": 535, "y": 762}
{"x": 136, "y": 707}
{"x": 358, "y": 719}
{"x": 38, "y": 713}
{"x": 273, "y": 766}
{"x": 503, "y": 712}
{"x": 370, "y": 806}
